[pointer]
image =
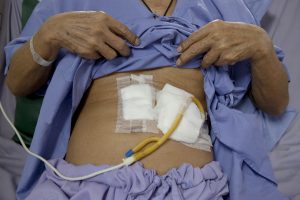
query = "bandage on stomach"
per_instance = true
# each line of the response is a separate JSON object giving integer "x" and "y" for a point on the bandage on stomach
{"x": 143, "y": 108}
{"x": 95, "y": 141}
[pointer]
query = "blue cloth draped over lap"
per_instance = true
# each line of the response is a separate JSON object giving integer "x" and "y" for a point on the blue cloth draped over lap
{"x": 242, "y": 135}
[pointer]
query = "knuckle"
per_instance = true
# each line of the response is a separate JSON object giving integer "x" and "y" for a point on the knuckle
{"x": 131, "y": 35}
{"x": 258, "y": 29}
{"x": 216, "y": 36}
{"x": 193, "y": 39}
{"x": 92, "y": 42}
{"x": 205, "y": 60}
{"x": 183, "y": 57}
{"x": 208, "y": 57}
{"x": 95, "y": 32}
{"x": 120, "y": 45}
{"x": 193, "y": 51}
{"x": 111, "y": 55}
{"x": 228, "y": 58}
{"x": 208, "y": 60}
{"x": 221, "y": 47}
{"x": 103, "y": 15}
{"x": 216, "y": 24}
{"x": 124, "y": 30}
{"x": 100, "y": 30}
{"x": 183, "y": 45}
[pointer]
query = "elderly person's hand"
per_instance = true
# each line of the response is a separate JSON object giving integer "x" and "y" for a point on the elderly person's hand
{"x": 225, "y": 43}
{"x": 91, "y": 35}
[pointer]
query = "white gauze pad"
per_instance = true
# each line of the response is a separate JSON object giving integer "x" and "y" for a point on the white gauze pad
{"x": 169, "y": 101}
{"x": 136, "y": 99}
{"x": 137, "y": 102}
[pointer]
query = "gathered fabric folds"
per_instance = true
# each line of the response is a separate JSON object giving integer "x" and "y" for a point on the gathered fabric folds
{"x": 242, "y": 135}
{"x": 134, "y": 182}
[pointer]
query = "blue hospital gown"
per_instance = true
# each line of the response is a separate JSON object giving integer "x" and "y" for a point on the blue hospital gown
{"x": 242, "y": 135}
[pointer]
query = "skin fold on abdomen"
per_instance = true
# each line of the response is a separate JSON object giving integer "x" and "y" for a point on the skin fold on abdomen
{"x": 94, "y": 141}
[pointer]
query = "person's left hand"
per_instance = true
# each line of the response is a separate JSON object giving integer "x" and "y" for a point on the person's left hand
{"x": 225, "y": 43}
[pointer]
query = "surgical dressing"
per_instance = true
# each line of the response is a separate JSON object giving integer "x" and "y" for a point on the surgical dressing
{"x": 136, "y": 106}
{"x": 137, "y": 112}
{"x": 192, "y": 130}
{"x": 169, "y": 100}
{"x": 136, "y": 99}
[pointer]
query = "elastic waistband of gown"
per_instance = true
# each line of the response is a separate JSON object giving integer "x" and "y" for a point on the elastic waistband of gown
{"x": 133, "y": 182}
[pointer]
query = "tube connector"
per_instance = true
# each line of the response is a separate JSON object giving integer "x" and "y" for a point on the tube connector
{"x": 128, "y": 161}
{"x": 129, "y": 153}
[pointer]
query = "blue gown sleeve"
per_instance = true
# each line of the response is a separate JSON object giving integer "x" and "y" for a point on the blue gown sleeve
{"x": 40, "y": 14}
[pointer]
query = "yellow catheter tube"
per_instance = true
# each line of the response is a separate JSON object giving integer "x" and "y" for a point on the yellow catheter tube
{"x": 139, "y": 153}
{"x": 144, "y": 143}
{"x": 198, "y": 104}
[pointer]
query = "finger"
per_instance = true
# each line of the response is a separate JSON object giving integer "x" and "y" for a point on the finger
{"x": 210, "y": 58}
{"x": 106, "y": 51}
{"x": 200, "y": 34}
{"x": 117, "y": 43}
{"x": 224, "y": 59}
{"x": 193, "y": 38}
{"x": 123, "y": 31}
{"x": 194, "y": 50}
{"x": 233, "y": 55}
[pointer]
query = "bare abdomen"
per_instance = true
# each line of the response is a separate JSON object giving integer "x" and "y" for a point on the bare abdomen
{"x": 94, "y": 140}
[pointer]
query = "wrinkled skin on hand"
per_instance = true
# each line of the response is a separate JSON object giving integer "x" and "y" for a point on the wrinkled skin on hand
{"x": 92, "y": 35}
{"x": 225, "y": 43}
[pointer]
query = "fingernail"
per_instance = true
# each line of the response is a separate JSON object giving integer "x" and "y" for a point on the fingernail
{"x": 178, "y": 62}
{"x": 179, "y": 49}
{"x": 137, "y": 41}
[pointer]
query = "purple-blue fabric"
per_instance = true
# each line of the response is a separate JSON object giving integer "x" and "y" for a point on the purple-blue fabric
{"x": 242, "y": 134}
{"x": 133, "y": 182}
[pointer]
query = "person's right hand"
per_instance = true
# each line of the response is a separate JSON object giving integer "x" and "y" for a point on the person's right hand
{"x": 91, "y": 35}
